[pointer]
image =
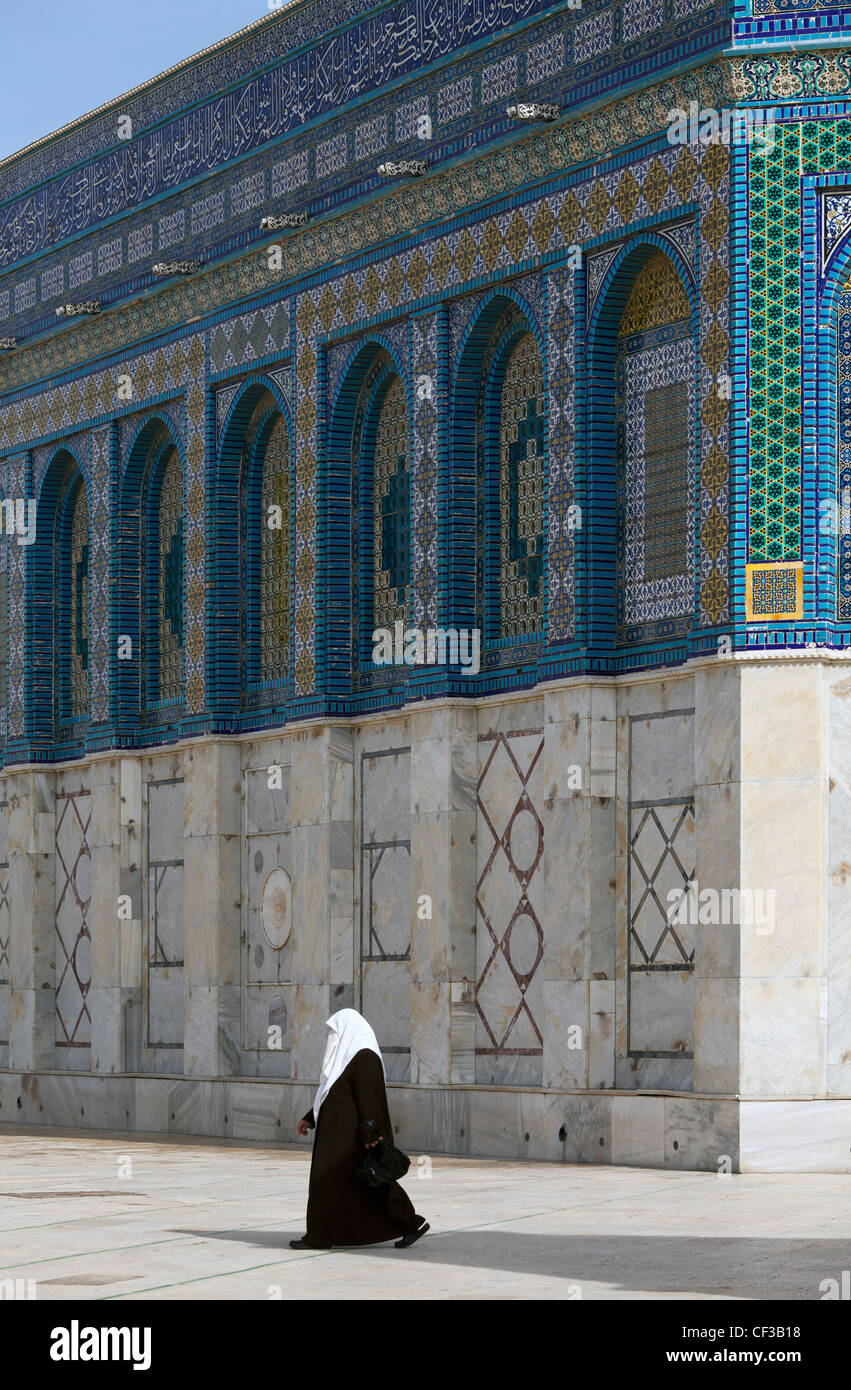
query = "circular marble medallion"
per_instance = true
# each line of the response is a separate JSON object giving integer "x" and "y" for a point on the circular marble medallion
{"x": 277, "y": 908}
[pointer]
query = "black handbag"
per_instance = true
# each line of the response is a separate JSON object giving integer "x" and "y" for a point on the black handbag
{"x": 381, "y": 1165}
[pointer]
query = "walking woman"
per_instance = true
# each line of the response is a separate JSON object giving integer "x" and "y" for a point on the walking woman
{"x": 350, "y": 1111}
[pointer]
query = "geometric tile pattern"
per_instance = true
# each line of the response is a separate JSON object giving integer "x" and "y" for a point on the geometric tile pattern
{"x": 592, "y": 37}
{"x": 73, "y": 941}
{"x": 775, "y": 350}
{"x": 592, "y": 208}
{"x": 543, "y": 153}
{"x": 844, "y": 470}
{"x": 17, "y": 668}
{"x": 814, "y": 147}
{"x": 391, "y": 519}
{"x": 275, "y": 556}
{"x": 561, "y": 404}
{"x": 305, "y": 86}
{"x": 666, "y": 480}
{"x": 561, "y": 219}
{"x": 5, "y": 927}
{"x": 305, "y": 505}
{"x": 76, "y": 583}
{"x": 509, "y": 907}
{"x": 596, "y": 267}
{"x": 836, "y": 208}
{"x": 774, "y": 591}
{"x": 545, "y": 59}
{"x": 363, "y": 552}
{"x": 4, "y": 634}
{"x": 170, "y": 581}
{"x": 243, "y": 124}
{"x": 655, "y": 408}
{"x": 462, "y": 311}
{"x": 428, "y": 398}
{"x": 99, "y": 574}
{"x": 657, "y": 299}
{"x": 521, "y": 491}
{"x": 176, "y": 366}
{"x": 249, "y": 337}
{"x": 713, "y": 192}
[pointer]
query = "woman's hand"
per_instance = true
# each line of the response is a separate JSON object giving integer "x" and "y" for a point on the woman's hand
{"x": 374, "y": 1142}
{"x": 303, "y": 1128}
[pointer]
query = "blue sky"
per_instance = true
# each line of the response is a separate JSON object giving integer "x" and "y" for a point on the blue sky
{"x": 61, "y": 58}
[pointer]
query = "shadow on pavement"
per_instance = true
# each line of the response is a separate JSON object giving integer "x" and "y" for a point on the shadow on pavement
{"x": 726, "y": 1266}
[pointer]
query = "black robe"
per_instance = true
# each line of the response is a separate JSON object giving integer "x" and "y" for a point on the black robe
{"x": 341, "y": 1211}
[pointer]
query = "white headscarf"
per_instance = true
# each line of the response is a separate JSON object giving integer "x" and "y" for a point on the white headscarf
{"x": 348, "y": 1034}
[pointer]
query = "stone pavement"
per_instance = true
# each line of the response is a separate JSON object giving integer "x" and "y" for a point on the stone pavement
{"x": 118, "y": 1217}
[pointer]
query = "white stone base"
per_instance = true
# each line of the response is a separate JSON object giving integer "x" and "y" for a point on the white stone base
{"x": 795, "y": 1136}
{"x": 645, "y": 1131}
{"x": 489, "y": 882}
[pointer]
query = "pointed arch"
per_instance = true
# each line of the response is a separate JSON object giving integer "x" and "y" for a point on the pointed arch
{"x": 497, "y": 491}
{"x": 60, "y": 606}
{"x": 832, "y": 527}
{"x": 252, "y": 499}
{"x": 4, "y": 635}
{"x": 165, "y": 587}
{"x": 266, "y": 559}
{"x": 367, "y": 510}
{"x": 149, "y": 663}
{"x": 642, "y": 451}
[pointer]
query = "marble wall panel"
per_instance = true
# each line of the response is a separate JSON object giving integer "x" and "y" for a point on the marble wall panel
{"x": 657, "y": 848}
{"x": 385, "y": 902}
{"x": 510, "y": 905}
{"x": 682, "y": 1133}
{"x": 785, "y": 817}
{"x": 165, "y": 1009}
{"x": 254, "y": 1112}
{"x": 601, "y": 1034}
{"x": 661, "y": 1011}
{"x": 268, "y": 918}
{"x": 795, "y": 1136}
{"x": 566, "y": 1034}
{"x": 163, "y": 978}
{"x": 839, "y": 888}
{"x": 638, "y": 1131}
{"x": 525, "y": 1124}
{"x": 662, "y": 761}
{"x": 268, "y": 923}
{"x": 73, "y": 941}
{"x": 5, "y": 935}
{"x": 781, "y": 1032}
{"x": 462, "y": 1032}
{"x": 267, "y": 798}
{"x": 702, "y": 1134}
{"x": 267, "y": 1012}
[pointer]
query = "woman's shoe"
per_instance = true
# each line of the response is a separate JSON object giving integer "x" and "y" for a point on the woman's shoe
{"x": 304, "y": 1244}
{"x": 410, "y": 1237}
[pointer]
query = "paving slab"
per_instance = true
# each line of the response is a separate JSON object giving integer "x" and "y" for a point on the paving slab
{"x": 118, "y": 1217}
